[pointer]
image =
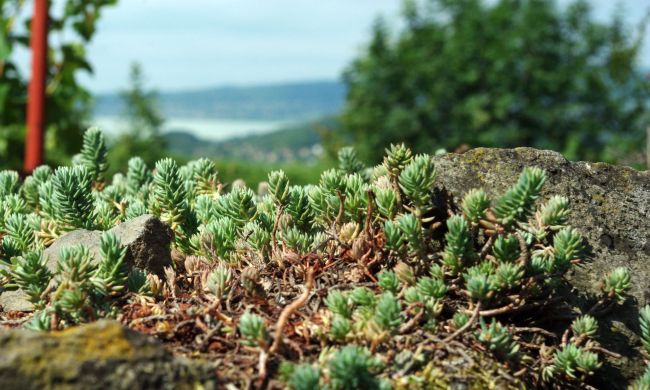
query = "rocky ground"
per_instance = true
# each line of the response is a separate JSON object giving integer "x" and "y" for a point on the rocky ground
{"x": 610, "y": 206}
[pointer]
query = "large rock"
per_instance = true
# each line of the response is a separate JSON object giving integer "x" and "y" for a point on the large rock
{"x": 147, "y": 240}
{"x": 611, "y": 208}
{"x": 101, "y": 355}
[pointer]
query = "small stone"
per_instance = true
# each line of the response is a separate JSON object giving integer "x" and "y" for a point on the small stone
{"x": 15, "y": 300}
{"x": 146, "y": 237}
{"x": 87, "y": 238}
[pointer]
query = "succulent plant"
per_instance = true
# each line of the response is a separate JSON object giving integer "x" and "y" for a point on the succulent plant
{"x": 517, "y": 204}
{"x": 30, "y": 273}
{"x": 388, "y": 312}
{"x": 73, "y": 204}
{"x": 572, "y": 361}
{"x": 9, "y": 183}
{"x": 338, "y": 304}
{"x": 314, "y": 266}
{"x": 137, "y": 175}
{"x": 617, "y": 283}
{"x": 475, "y": 205}
{"x": 279, "y": 187}
{"x": 497, "y": 338}
{"x": 112, "y": 273}
{"x": 253, "y": 329}
{"x": 416, "y": 180}
{"x": 644, "y": 320}
{"x": 352, "y": 368}
{"x": 305, "y": 377}
{"x": 585, "y": 326}
{"x": 388, "y": 281}
{"x": 93, "y": 154}
{"x": 349, "y": 161}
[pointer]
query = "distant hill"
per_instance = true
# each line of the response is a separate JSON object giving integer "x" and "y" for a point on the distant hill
{"x": 290, "y": 101}
{"x": 300, "y": 142}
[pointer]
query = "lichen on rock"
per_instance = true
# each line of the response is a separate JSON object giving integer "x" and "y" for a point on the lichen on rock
{"x": 610, "y": 206}
{"x": 103, "y": 354}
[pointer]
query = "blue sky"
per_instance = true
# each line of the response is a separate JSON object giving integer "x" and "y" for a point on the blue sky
{"x": 202, "y": 43}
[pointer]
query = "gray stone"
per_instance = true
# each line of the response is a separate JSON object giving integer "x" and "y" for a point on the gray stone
{"x": 610, "y": 205}
{"x": 15, "y": 300}
{"x": 147, "y": 240}
{"x": 100, "y": 355}
{"x": 87, "y": 238}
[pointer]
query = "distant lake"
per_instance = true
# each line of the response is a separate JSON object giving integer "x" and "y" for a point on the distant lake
{"x": 208, "y": 129}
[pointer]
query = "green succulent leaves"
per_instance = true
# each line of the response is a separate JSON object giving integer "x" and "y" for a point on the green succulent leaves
{"x": 517, "y": 204}
{"x": 644, "y": 321}
{"x": 279, "y": 187}
{"x": 31, "y": 274}
{"x": 93, "y": 154}
{"x": 417, "y": 180}
{"x": 475, "y": 205}
{"x": 72, "y": 196}
{"x": 169, "y": 193}
{"x": 572, "y": 360}
{"x": 425, "y": 270}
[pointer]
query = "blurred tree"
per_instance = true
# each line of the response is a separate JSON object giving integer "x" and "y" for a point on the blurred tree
{"x": 142, "y": 136}
{"x": 68, "y": 102}
{"x": 500, "y": 73}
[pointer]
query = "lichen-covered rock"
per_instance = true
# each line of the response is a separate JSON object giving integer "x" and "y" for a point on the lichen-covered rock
{"x": 610, "y": 205}
{"x": 147, "y": 240}
{"x": 101, "y": 355}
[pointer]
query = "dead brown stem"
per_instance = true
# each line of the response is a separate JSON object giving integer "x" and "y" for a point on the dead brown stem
{"x": 604, "y": 351}
{"x": 413, "y": 321}
{"x": 274, "y": 233}
{"x": 289, "y": 310}
{"x": 541, "y": 331}
{"x": 339, "y": 216}
{"x": 523, "y": 248}
{"x": 467, "y": 325}
{"x": 371, "y": 201}
{"x": 486, "y": 248}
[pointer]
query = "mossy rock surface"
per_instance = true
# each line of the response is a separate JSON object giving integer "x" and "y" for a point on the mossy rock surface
{"x": 100, "y": 355}
{"x": 610, "y": 206}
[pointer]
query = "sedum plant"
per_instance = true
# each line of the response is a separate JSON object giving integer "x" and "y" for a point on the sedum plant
{"x": 253, "y": 329}
{"x": 72, "y": 200}
{"x": 93, "y": 155}
{"x": 353, "y": 368}
{"x": 363, "y": 280}
{"x": 497, "y": 338}
{"x": 644, "y": 321}
{"x": 31, "y": 274}
{"x": 304, "y": 377}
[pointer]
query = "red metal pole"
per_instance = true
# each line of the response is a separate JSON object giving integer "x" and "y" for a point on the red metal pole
{"x": 36, "y": 91}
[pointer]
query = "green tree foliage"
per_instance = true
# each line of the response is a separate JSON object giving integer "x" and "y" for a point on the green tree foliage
{"x": 142, "y": 136}
{"x": 505, "y": 73}
{"x": 68, "y": 102}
